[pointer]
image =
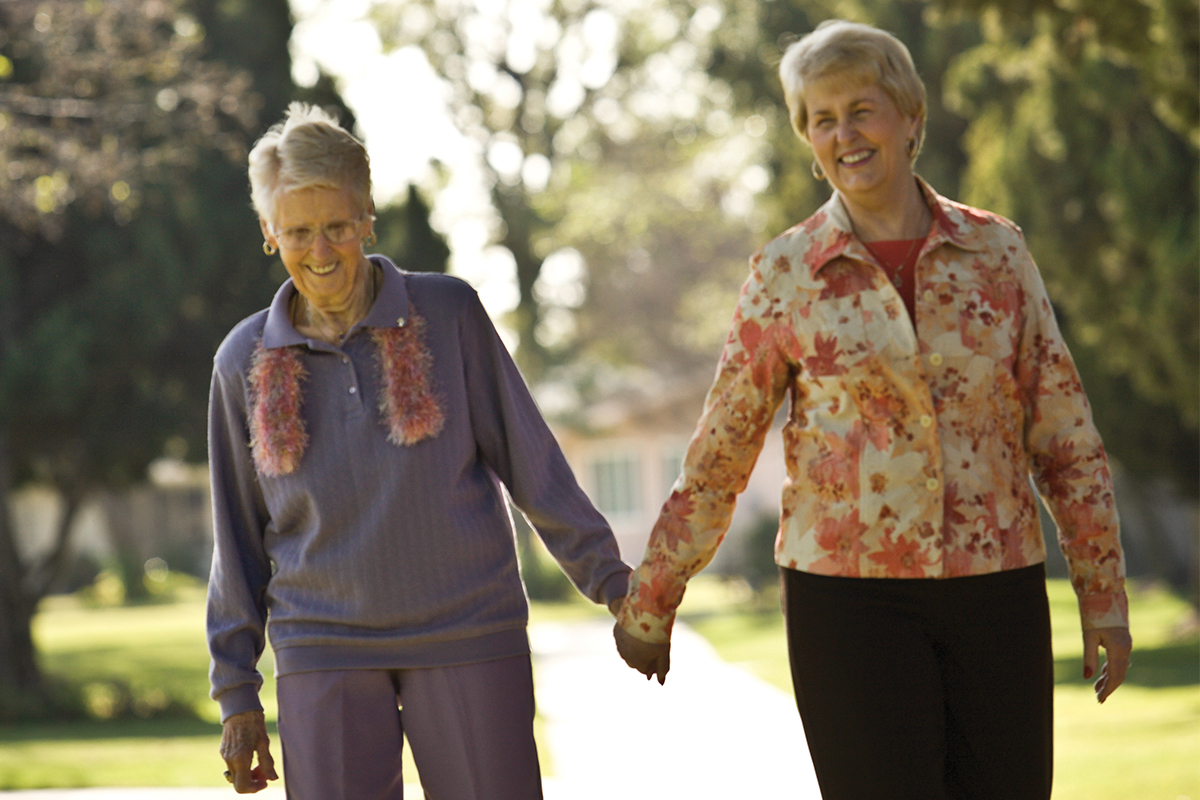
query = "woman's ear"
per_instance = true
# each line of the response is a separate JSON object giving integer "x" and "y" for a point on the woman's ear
{"x": 268, "y": 236}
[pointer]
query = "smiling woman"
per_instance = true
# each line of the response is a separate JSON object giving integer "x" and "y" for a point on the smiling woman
{"x": 928, "y": 384}
{"x": 363, "y": 431}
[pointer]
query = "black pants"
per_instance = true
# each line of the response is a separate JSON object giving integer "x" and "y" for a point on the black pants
{"x": 924, "y": 689}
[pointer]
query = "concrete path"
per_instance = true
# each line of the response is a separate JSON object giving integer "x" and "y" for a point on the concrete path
{"x": 714, "y": 732}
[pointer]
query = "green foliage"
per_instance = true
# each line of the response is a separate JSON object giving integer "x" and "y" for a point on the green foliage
{"x": 1066, "y": 139}
{"x": 123, "y": 130}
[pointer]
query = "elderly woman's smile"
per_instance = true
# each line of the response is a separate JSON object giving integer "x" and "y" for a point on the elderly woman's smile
{"x": 318, "y": 231}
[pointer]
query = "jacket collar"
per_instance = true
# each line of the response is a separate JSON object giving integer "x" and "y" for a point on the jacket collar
{"x": 831, "y": 234}
{"x": 390, "y": 309}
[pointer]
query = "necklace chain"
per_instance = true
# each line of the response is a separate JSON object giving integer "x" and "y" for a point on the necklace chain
{"x": 893, "y": 271}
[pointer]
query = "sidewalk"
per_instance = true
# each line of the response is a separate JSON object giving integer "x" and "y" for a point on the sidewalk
{"x": 713, "y": 732}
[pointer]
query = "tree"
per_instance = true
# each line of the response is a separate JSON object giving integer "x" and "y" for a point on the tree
{"x": 1084, "y": 128}
{"x": 122, "y": 261}
{"x": 405, "y": 233}
{"x": 540, "y": 89}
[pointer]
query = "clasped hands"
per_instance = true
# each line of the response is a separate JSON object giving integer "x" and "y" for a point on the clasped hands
{"x": 647, "y": 658}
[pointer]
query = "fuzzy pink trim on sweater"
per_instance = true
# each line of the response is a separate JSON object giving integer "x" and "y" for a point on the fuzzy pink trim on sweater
{"x": 277, "y": 433}
{"x": 408, "y": 407}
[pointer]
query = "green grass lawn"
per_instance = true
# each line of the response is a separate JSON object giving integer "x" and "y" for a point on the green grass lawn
{"x": 142, "y": 671}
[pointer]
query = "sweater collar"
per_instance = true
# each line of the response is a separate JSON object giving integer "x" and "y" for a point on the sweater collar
{"x": 832, "y": 235}
{"x": 390, "y": 309}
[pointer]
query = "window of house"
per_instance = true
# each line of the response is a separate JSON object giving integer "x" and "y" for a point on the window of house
{"x": 617, "y": 484}
{"x": 672, "y": 463}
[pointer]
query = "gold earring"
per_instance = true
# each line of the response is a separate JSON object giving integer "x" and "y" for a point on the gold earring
{"x": 369, "y": 240}
{"x": 817, "y": 171}
{"x": 269, "y": 248}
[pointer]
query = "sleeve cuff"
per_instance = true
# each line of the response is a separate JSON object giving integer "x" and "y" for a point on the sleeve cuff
{"x": 1104, "y": 610}
{"x": 615, "y": 587}
{"x": 645, "y": 626}
{"x": 238, "y": 700}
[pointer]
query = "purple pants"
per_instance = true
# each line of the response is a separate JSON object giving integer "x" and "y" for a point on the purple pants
{"x": 470, "y": 728}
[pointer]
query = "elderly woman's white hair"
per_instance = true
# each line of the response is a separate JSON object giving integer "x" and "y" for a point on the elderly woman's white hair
{"x": 854, "y": 52}
{"x": 309, "y": 149}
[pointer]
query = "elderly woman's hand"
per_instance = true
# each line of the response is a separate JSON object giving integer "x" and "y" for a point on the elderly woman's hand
{"x": 242, "y": 736}
{"x": 1118, "y": 645}
{"x": 647, "y": 658}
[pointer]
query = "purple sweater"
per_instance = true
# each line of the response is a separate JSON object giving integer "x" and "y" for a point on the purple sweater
{"x": 370, "y": 554}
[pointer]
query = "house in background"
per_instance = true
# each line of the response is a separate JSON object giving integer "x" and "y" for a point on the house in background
{"x": 626, "y": 454}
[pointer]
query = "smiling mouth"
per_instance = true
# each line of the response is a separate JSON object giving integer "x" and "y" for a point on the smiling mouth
{"x": 856, "y": 157}
{"x": 323, "y": 270}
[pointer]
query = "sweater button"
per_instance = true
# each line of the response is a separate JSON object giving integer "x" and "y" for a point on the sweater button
{"x": 353, "y": 390}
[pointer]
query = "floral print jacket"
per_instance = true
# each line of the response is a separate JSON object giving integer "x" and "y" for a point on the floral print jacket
{"x": 910, "y": 443}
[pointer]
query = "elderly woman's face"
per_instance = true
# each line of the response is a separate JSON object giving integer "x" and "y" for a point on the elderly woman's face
{"x": 327, "y": 273}
{"x": 860, "y": 137}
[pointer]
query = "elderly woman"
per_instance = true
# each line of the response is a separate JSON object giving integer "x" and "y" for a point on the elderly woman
{"x": 928, "y": 381}
{"x": 363, "y": 430}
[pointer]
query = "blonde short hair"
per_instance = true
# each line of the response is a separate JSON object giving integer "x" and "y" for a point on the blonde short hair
{"x": 852, "y": 51}
{"x": 308, "y": 149}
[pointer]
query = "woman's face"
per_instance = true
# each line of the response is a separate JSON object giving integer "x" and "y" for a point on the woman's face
{"x": 860, "y": 138}
{"x": 326, "y": 273}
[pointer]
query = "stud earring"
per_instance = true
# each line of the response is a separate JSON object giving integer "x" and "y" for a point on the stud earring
{"x": 817, "y": 171}
{"x": 269, "y": 248}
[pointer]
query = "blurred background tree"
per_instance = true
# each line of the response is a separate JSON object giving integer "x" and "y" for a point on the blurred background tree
{"x": 121, "y": 256}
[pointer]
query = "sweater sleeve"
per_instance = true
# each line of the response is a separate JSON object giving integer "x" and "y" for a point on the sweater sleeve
{"x": 1069, "y": 465}
{"x": 237, "y": 613}
{"x": 517, "y": 444}
{"x": 751, "y": 382}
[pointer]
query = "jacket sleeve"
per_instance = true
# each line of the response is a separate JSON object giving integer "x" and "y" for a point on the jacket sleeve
{"x": 237, "y": 613}
{"x": 1067, "y": 459}
{"x": 517, "y": 444}
{"x": 751, "y": 382}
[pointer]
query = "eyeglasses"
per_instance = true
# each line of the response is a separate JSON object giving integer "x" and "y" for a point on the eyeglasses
{"x": 301, "y": 237}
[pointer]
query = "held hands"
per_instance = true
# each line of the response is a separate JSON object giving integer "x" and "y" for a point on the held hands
{"x": 242, "y": 736}
{"x": 1118, "y": 645}
{"x": 648, "y": 659}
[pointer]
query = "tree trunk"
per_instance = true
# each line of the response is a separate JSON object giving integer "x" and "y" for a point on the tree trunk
{"x": 21, "y": 686}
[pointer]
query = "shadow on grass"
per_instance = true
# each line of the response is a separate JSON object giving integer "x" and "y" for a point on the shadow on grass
{"x": 92, "y": 729}
{"x": 1168, "y": 666}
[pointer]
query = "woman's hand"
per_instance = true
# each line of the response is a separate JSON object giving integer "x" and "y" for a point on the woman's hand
{"x": 242, "y": 736}
{"x": 648, "y": 659}
{"x": 1118, "y": 645}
